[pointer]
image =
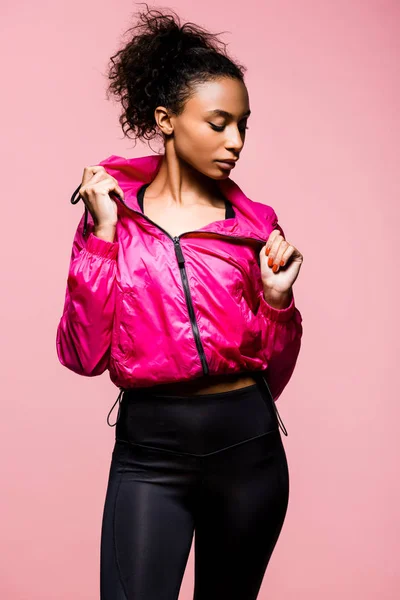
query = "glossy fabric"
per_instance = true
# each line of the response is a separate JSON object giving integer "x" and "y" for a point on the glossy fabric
{"x": 153, "y": 309}
{"x": 209, "y": 466}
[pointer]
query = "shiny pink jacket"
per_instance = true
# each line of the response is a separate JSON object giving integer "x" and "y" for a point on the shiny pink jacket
{"x": 155, "y": 309}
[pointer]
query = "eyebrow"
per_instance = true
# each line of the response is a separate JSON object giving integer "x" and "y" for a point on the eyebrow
{"x": 224, "y": 113}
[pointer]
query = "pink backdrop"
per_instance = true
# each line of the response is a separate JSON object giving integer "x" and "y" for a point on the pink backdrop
{"x": 323, "y": 150}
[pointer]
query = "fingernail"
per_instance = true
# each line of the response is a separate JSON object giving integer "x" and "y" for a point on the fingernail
{"x": 270, "y": 261}
{"x": 282, "y": 263}
{"x": 275, "y": 268}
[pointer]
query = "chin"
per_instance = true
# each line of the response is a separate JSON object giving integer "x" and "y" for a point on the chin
{"x": 214, "y": 172}
{"x": 222, "y": 175}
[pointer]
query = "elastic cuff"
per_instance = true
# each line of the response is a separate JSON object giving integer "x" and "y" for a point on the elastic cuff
{"x": 276, "y": 314}
{"x": 96, "y": 245}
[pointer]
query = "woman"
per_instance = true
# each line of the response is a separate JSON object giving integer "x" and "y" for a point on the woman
{"x": 181, "y": 287}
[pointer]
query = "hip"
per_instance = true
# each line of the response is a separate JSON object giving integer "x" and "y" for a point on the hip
{"x": 195, "y": 424}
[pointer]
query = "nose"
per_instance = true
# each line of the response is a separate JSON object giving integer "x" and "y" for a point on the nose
{"x": 234, "y": 141}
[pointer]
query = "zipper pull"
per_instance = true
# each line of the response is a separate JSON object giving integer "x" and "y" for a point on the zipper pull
{"x": 178, "y": 252}
{"x": 119, "y": 399}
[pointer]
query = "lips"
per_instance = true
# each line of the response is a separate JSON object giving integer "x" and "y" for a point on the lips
{"x": 226, "y": 164}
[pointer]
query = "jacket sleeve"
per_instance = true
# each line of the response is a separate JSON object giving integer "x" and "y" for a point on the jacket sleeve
{"x": 83, "y": 337}
{"x": 283, "y": 346}
{"x": 285, "y": 331}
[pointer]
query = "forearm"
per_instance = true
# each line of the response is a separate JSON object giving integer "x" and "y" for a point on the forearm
{"x": 106, "y": 233}
{"x": 278, "y": 300}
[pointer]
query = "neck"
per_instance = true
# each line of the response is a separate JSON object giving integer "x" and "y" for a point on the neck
{"x": 178, "y": 183}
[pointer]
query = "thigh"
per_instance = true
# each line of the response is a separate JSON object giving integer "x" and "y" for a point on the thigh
{"x": 147, "y": 526}
{"x": 239, "y": 516}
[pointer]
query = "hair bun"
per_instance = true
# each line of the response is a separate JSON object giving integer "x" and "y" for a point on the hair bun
{"x": 157, "y": 65}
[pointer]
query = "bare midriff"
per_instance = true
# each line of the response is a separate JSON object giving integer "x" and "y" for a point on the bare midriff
{"x": 206, "y": 385}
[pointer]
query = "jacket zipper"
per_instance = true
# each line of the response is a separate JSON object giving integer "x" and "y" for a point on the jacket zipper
{"x": 189, "y": 302}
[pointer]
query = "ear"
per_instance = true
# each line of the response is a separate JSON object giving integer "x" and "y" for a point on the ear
{"x": 163, "y": 120}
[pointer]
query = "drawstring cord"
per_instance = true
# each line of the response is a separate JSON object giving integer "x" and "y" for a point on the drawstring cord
{"x": 75, "y": 199}
{"x": 121, "y": 393}
{"x": 119, "y": 399}
{"x": 280, "y": 422}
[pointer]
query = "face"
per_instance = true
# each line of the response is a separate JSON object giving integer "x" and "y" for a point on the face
{"x": 212, "y": 126}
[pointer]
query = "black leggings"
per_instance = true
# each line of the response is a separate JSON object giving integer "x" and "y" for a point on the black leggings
{"x": 210, "y": 465}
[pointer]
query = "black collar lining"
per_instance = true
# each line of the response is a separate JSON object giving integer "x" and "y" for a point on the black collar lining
{"x": 229, "y": 211}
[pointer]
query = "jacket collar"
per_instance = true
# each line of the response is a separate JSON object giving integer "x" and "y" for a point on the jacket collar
{"x": 253, "y": 219}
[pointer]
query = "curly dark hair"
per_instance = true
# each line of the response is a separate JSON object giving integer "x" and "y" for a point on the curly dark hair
{"x": 159, "y": 65}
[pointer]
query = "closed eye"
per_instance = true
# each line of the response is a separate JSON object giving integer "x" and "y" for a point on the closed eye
{"x": 221, "y": 128}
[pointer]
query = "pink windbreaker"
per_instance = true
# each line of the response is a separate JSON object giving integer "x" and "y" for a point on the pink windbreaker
{"x": 156, "y": 309}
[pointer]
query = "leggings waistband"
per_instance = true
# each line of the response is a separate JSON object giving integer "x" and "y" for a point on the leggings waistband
{"x": 196, "y": 423}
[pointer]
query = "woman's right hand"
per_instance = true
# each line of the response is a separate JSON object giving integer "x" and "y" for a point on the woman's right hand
{"x": 94, "y": 190}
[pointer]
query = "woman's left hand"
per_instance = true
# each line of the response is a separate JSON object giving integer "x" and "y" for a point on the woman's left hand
{"x": 277, "y": 249}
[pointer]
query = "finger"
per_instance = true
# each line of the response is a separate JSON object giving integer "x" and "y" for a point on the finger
{"x": 272, "y": 245}
{"x": 103, "y": 187}
{"x": 271, "y": 239}
{"x": 91, "y": 172}
{"x": 95, "y": 183}
{"x": 118, "y": 189}
{"x": 282, "y": 257}
{"x": 272, "y": 256}
{"x": 275, "y": 261}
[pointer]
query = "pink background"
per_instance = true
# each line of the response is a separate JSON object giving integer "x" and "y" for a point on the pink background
{"x": 323, "y": 150}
